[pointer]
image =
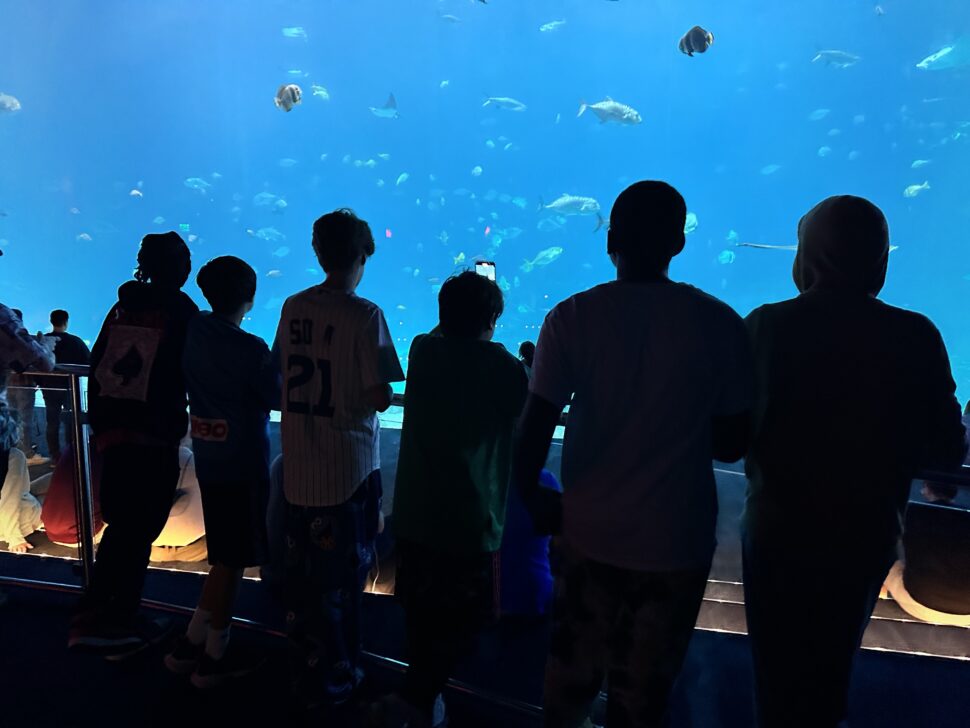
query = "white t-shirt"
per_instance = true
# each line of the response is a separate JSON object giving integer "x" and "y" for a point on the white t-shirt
{"x": 333, "y": 347}
{"x": 645, "y": 367}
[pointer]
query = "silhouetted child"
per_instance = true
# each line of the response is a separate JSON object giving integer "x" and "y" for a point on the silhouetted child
{"x": 233, "y": 382}
{"x": 339, "y": 361}
{"x": 137, "y": 410}
{"x": 463, "y": 396}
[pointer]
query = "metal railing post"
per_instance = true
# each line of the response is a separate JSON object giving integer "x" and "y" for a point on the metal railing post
{"x": 83, "y": 499}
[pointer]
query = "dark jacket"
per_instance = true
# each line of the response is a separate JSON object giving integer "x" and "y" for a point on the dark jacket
{"x": 853, "y": 397}
{"x": 136, "y": 391}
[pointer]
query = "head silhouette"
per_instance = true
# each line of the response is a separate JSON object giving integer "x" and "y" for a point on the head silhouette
{"x": 164, "y": 260}
{"x": 647, "y": 227}
{"x": 527, "y": 352}
{"x": 340, "y": 238}
{"x": 59, "y": 318}
{"x": 228, "y": 283}
{"x": 469, "y": 305}
{"x": 843, "y": 245}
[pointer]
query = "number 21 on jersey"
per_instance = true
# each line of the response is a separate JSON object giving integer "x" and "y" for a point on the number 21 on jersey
{"x": 302, "y": 369}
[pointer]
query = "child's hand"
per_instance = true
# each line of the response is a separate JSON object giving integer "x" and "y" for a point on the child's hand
{"x": 21, "y": 548}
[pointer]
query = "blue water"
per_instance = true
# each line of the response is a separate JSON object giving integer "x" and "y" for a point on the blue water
{"x": 119, "y": 96}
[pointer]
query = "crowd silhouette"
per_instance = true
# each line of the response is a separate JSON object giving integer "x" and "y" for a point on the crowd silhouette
{"x": 834, "y": 398}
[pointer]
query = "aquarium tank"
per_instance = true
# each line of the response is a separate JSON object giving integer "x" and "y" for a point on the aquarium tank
{"x": 466, "y": 130}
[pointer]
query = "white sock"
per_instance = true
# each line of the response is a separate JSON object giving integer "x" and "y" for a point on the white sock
{"x": 216, "y": 642}
{"x": 198, "y": 626}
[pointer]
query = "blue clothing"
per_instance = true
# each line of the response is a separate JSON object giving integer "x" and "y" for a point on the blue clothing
{"x": 233, "y": 382}
{"x": 525, "y": 569}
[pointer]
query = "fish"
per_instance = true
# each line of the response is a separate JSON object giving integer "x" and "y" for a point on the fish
{"x": 690, "y": 224}
{"x": 216, "y": 176}
{"x": 270, "y": 235}
{"x": 835, "y": 132}
{"x": 388, "y": 110}
{"x": 279, "y": 206}
{"x": 819, "y": 114}
{"x": 507, "y": 147}
{"x": 504, "y": 285}
{"x": 859, "y": 119}
{"x": 610, "y": 110}
{"x": 444, "y": 84}
{"x": 914, "y": 190}
{"x": 136, "y": 193}
{"x": 952, "y": 56}
{"x": 477, "y": 171}
{"x": 443, "y": 237}
{"x": 490, "y": 144}
{"x": 158, "y": 220}
{"x": 824, "y": 151}
{"x": 320, "y": 92}
{"x": 791, "y": 248}
{"x": 275, "y": 273}
{"x": 281, "y": 252}
{"x": 384, "y": 156}
{"x": 297, "y": 73}
{"x": 836, "y": 59}
{"x": 459, "y": 259}
{"x": 264, "y": 199}
{"x": 370, "y": 164}
{"x": 551, "y": 26}
{"x": 74, "y": 211}
{"x": 854, "y": 155}
{"x": 726, "y": 257}
{"x": 732, "y": 236}
{"x": 548, "y": 224}
{"x": 197, "y": 183}
{"x": 8, "y": 104}
{"x": 402, "y": 178}
{"x": 380, "y": 182}
{"x": 770, "y": 169}
{"x": 504, "y": 102}
{"x": 920, "y": 163}
{"x": 287, "y": 163}
{"x": 544, "y": 258}
{"x": 696, "y": 40}
{"x": 295, "y": 31}
{"x": 287, "y": 96}
{"x": 323, "y": 157}
{"x": 84, "y": 238}
{"x": 449, "y": 18}
{"x": 567, "y": 204}
{"x": 520, "y": 202}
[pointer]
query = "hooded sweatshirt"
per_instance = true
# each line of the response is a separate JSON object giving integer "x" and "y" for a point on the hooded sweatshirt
{"x": 136, "y": 391}
{"x": 853, "y": 395}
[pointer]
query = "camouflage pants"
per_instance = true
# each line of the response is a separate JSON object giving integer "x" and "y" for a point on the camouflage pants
{"x": 329, "y": 553}
{"x": 631, "y": 628}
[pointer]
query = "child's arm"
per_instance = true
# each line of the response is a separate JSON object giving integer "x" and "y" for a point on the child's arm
{"x": 379, "y": 363}
{"x": 268, "y": 381}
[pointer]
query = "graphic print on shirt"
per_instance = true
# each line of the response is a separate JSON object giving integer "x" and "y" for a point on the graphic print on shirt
{"x": 303, "y": 370}
{"x": 126, "y": 367}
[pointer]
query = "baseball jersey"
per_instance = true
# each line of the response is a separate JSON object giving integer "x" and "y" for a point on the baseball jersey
{"x": 333, "y": 346}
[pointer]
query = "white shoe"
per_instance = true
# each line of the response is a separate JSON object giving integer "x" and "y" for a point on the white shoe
{"x": 37, "y": 460}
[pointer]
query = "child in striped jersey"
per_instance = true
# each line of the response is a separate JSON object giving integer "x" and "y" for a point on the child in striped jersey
{"x": 338, "y": 363}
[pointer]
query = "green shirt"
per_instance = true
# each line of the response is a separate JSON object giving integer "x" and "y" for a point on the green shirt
{"x": 461, "y": 404}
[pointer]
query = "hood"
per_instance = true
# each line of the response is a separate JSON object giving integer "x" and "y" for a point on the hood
{"x": 137, "y": 296}
{"x": 843, "y": 245}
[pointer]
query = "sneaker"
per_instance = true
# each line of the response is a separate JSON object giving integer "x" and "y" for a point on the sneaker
{"x": 233, "y": 665}
{"x": 185, "y": 658}
{"x": 97, "y": 633}
{"x": 142, "y": 634}
{"x": 36, "y": 459}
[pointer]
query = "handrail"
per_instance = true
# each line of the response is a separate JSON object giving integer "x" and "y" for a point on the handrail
{"x": 83, "y": 493}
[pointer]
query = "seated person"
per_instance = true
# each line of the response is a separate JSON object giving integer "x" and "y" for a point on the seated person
{"x": 182, "y": 539}
{"x": 930, "y": 582}
{"x": 19, "y": 510}
{"x": 525, "y": 569}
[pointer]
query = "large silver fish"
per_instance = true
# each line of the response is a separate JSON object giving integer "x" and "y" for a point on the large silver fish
{"x": 836, "y": 59}
{"x": 8, "y": 104}
{"x": 567, "y": 204}
{"x": 388, "y": 110}
{"x": 610, "y": 110}
{"x": 504, "y": 102}
{"x": 696, "y": 40}
{"x": 544, "y": 258}
{"x": 952, "y": 56}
